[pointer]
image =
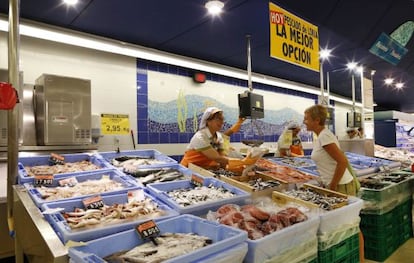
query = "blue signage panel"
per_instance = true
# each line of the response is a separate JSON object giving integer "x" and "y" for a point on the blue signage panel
{"x": 388, "y": 49}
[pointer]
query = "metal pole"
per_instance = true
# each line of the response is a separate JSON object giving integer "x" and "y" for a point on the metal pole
{"x": 353, "y": 92}
{"x": 327, "y": 87}
{"x": 249, "y": 64}
{"x": 321, "y": 79}
{"x": 12, "y": 116}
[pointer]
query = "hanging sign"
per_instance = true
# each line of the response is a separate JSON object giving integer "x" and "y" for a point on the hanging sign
{"x": 115, "y": 124}
{"x": 293, "y": 39}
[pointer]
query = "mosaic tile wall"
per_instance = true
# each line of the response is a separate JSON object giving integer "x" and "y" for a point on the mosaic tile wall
{"x": 150, "y": 132}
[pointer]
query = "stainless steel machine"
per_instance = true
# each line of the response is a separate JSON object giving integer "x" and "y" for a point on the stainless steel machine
{"x": 62, "y": 107}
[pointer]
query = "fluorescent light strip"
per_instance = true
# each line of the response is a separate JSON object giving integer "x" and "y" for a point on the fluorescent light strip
{"x": 73, "y": 38}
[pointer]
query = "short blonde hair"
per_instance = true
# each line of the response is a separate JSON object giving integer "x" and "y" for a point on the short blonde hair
{"x": 318, "y": 112}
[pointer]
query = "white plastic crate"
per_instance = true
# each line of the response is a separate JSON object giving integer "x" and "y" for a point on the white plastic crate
{"x": 272, "y": 245}
{"x": 330, "y": 220}
{"x": 341, "y": 233}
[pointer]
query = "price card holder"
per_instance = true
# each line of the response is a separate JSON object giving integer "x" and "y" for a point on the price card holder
{"x": 43, "y": 180}
{"x": 55, "y": 159}
{"x": 71, "y": 181}
{"x": 197, "y": 180}
{"x": 94, "y": 202}
{"x": 148, "y": 230}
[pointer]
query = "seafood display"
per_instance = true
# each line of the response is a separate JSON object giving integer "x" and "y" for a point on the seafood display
{"x": 283, "y": 173}
{"x": 105, "y": 184}
{"x": 112, "y": 214}
{"x": 223, "y": 172}
{"x": 169, "y": 245}
{"x": 147, "y": 176}
{"x": 406, "y": 158}
{"x": 256, "y": 221}
{"x": 394, "y": 177}
{"x": 130, "y": 164}
{"x": 68, "y": 167}
{"x": 295, "y": 162}
{"x": 373, "y": 184}
{"x": 196, "y": 195}
{"x": 326, "y": 202}
{"x": 259, "y": 184}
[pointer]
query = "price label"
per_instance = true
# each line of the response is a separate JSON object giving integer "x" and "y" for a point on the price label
{"x": 55, "y": 159}
{"x": 71, "y": 181}
{"x": 94, "y": 202}
{"x": 43, "y": 179}
{"x": 197, "y": 181}
{"x": 148, "y": 229}
{"x": 115, "y": 124}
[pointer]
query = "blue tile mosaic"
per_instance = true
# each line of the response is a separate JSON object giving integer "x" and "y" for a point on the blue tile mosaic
{"x": 165, "y": 130}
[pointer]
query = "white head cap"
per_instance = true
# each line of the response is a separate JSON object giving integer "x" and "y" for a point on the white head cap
{"x": 210, "y": 111}
{"x": 293, "y": 125}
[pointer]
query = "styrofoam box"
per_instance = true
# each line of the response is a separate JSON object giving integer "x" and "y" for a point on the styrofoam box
{"x": 161, "y": 191}
{"x": 276, "y": 243}
{"x": 339, "y": 234}
{"x": 65, "y": 233}
{"x": 330, "y": 220}
{"x": 304, "y": 252}
{"x": 166, "y": 160}
{"x": 223, "y": 237}
{"x": 127, "y": 183}
{"x": 23, "y": 177}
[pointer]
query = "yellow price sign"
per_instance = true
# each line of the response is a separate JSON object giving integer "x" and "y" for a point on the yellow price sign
{"x": 115, "y": 124}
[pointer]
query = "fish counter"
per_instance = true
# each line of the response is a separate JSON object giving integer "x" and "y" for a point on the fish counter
{"x": 120, "y": 193}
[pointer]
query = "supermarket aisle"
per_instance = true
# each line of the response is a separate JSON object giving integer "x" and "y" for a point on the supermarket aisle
{"x": 404, "y": 254}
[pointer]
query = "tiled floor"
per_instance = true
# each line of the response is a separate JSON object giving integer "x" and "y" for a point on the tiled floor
{"x": 404, "y": 254}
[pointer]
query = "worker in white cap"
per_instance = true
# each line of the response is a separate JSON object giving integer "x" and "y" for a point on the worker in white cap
{"x": 289, "y": 143}
{"x": 206, "y": 146}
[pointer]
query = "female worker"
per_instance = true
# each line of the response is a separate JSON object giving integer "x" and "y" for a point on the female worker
{"x": 206, "y": 146}
{"x": 289, "y": 143}
{"x": 333, "y": 166}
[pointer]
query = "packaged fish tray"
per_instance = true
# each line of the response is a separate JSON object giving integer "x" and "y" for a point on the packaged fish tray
{"x": 71, "y": 221}
{"x": 223, "y": 239}
{"x": 77, "y": 163}
{"x": 101, "y": 182}
{"x": 187, "y": 198}
{"x": 129, "y": 161}
{"x": 172, "y": 172}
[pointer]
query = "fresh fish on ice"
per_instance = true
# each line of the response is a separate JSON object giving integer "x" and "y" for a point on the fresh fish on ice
{"x": 170, "y": 245}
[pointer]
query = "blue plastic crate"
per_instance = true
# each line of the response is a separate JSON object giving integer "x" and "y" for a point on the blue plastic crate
{"x": 65, "y": 233}
{"x": 164, "y": 159}
{"x": 313, "y": 170}
{"x": 160, "y": 190}
{"x": 367, "y": 165}
{"x": 114, "y": 174}
{"x": 23, "y": 177}
{"x": 223, "y": 237}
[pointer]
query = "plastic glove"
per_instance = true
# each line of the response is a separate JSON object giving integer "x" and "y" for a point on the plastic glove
{"x": 235, "y": 165}
{"x": 248, "y": 160}
{"x": 236, "y": 127}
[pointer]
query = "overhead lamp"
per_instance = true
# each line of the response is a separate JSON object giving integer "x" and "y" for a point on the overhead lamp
{"x": 351, "y": 65}
{"x": 70, "y": 2}
{"x": 399, "y": 85}
{"x": 389, "y": 81}
{"x": 324, "y": 53}
{"x": 214, "y": 7}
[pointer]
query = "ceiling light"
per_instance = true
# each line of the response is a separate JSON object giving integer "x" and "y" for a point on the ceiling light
{"x": 399, "y": 85}
{"x": 324, "y": 53}
{"x": 70, "y": 2}
{"x": 389, "y": 81}
{"x": 351, "y": 65}
{"x": 214, "y": 7}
